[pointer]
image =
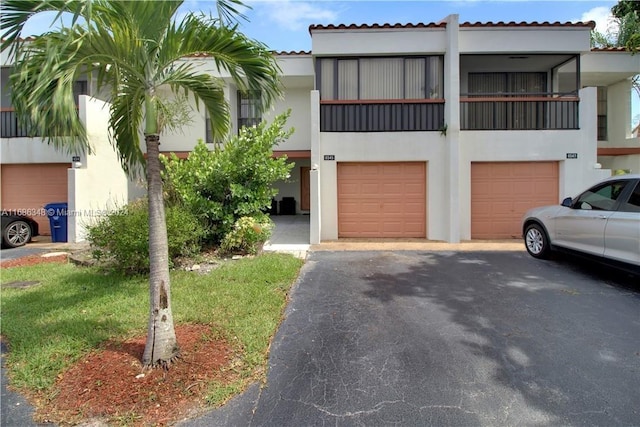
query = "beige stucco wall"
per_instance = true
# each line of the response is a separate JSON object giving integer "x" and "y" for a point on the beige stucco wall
{"x": 364, "y": 42}
{"x": 523, "y": 39}
{"x": 429, "y": 147}
{"x": 99, "y": 184}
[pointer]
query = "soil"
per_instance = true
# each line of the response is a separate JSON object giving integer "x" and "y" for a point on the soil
{"x": 110, "y": 387}
{"x": 32, "y": 260}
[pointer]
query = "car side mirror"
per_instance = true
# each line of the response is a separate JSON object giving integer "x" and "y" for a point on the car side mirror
{"x": 567, "y": 202}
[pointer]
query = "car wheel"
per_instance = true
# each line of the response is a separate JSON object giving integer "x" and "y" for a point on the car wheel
{"x": 18, "y": 233}
{"x": 536, "y": 241}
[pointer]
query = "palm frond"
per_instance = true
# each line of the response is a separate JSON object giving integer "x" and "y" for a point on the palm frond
{"x": 15, "y": 14}
{"x": 42, "y": 91}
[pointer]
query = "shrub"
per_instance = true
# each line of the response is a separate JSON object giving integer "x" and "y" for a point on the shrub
{"x": 221, "y": 186}
{"x": 247, "y": 236}
{"x": 122, "y": 238}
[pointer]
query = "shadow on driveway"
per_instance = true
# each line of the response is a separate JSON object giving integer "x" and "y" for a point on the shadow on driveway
{"x": 446, "y": 338}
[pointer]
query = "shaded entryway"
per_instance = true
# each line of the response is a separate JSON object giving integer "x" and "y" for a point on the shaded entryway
{"x": 290, "y": 235}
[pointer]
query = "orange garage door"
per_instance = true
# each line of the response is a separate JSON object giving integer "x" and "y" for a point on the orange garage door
{"x": 382, "y": 199}
{"x": 30, "y": 187}
{"x": 502, "y": 192}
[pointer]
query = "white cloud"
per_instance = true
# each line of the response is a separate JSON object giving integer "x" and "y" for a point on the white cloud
{"x": 603, "y": 18}
{"x": 296, "y": 15}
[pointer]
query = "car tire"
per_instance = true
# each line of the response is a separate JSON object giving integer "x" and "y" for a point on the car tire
{"x": 16, "y": 234}
{"x": 536, "y": 241}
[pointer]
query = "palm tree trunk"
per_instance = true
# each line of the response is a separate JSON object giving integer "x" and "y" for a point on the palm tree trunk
{"x": 162, "y": 347}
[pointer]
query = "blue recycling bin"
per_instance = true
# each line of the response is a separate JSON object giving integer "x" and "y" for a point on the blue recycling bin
{"x": 57, "y": 214}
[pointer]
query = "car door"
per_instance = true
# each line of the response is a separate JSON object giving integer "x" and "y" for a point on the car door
{"x": 622, "y": 233}
{"x": 582, "y": 227}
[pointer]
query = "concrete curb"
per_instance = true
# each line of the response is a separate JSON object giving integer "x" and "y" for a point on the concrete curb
{"x": 421, "y": 245}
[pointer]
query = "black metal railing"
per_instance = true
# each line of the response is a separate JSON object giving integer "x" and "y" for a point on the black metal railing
{"x": 10, "y": 127}
{"x": 518, "y": 111}
{"x": 382, "y": 115}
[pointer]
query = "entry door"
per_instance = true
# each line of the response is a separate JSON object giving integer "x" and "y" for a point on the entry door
{"x": 305, "y": 188}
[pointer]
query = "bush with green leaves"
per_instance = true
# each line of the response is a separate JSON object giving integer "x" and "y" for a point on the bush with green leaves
{"x": 227, "y": 183}
{"x": 247, "y": 236}
{"x": 121, "y": 239}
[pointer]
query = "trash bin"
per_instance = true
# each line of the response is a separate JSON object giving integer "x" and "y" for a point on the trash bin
{"x": 57, "y": 214}
{"x": 288, "y": 206}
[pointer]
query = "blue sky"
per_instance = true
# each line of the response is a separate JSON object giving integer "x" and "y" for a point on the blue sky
{"x": 283, "y": 24}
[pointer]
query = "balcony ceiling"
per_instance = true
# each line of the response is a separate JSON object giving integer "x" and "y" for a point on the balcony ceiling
{"x": 511, "y": 62}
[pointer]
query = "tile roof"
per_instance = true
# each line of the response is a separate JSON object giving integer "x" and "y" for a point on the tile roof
{"x": 282, "y": 53}
{"x": 375, "y": 26}
{"x": 589, "y": 24}
{"x": 609, "y": 49}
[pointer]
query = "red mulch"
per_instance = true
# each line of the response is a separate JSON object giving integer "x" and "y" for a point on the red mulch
{"x": 106, "y": 384}
{"x": 32, "y": 260}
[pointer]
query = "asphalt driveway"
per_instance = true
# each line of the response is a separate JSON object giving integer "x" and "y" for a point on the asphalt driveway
{"x": 450, "y": 338}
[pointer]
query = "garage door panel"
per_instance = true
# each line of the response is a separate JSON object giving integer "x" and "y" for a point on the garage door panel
{"x": 502, "y": 192}
{"x": 29, "y": 187}
{"x": 382, "y": 199}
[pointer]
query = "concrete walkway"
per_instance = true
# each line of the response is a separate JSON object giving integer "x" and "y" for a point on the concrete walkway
{"x": 290, "y": 235}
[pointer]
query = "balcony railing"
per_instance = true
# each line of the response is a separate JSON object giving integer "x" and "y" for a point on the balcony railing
{"x": 10, "y": 127}
{"x": 381, "y": 115}
{"x": 506, "y": 111}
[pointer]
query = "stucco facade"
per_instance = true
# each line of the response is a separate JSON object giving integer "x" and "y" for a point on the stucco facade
{"x": 470, "y": 95}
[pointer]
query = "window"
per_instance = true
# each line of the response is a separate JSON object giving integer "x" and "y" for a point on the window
{"x": 378, "y": 78}
{"x": 633, "y": 204}
{"x": 518, "y": 114}
{"x": 602, "y": 113}
{"x": 248, "y": 109}
{"x": 208, "y": 130}
{"x": 602, "y": 197}
{"x": 79, "y": 88}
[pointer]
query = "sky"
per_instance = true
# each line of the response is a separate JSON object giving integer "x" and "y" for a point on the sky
{"x": 283, "y": 25}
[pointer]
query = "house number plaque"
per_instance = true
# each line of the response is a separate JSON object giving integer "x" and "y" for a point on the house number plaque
{"x": 329, "y": 157}
{"x": 572, "y": 155}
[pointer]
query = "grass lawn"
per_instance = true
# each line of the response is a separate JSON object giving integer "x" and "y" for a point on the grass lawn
{"x": 73, "y": 310}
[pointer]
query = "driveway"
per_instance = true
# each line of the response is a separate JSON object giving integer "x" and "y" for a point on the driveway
{"x": 450, "y": 339}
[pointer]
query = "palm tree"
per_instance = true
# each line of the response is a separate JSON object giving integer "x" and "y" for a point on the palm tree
{"x": 134, "y": 49}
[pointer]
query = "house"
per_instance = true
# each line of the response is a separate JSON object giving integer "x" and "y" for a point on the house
{"x": 448, "y": 131}
{"x": 34, "y": 174}
{"x": 445, "y": 131}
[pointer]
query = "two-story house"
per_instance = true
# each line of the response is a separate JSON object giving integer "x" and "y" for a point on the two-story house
{"x": 34, "y": 174}
{"x": 442, "y": 131}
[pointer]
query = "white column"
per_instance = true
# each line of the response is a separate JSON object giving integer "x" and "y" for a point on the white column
{"x": 314, "y": 179}
{"x": 452, "y": 123}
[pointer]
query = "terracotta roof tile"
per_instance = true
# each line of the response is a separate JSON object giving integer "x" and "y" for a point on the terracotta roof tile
{"x": 375, "y": 26}
{"x": 609, "y": 49}
{"x": 283, "y": 53}
{"x": 590, "y": 24}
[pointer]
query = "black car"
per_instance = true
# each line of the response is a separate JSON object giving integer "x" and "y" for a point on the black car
{"x": 17, "y": 230}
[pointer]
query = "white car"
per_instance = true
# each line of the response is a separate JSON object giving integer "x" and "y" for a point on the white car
{"x": 603, "y": 221}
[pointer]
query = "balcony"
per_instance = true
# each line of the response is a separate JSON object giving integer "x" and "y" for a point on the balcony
{"x": 10, "y": 126}
{"x": 404, "y": 115}
{"x": 513, "y": 111}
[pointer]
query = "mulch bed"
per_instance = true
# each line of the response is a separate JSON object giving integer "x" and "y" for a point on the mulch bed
{"x": 32, "y": 260}
{"x": 110, "y": 385}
